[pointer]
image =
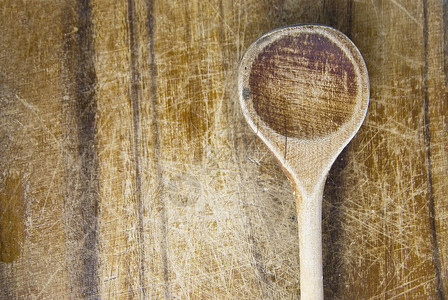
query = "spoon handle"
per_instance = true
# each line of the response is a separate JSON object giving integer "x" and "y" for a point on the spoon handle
{"x": 309, "y": 217}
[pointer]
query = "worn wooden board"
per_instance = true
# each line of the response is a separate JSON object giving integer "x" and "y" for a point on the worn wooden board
{"x": 127, "y": 170}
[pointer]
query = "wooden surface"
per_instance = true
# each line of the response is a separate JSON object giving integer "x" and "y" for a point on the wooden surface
{"x": 127, "y": 170}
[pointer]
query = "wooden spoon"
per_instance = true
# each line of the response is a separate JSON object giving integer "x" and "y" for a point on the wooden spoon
{"x": 304, "y": 90}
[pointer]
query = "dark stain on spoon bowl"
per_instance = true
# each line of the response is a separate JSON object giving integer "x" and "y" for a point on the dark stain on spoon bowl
{"x": 295, "y": 77}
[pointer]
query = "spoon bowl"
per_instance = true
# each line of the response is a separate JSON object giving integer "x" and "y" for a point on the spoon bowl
{"x": 304, "y": 90}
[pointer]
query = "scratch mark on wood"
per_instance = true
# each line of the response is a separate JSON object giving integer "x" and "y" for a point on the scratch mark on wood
{"x": 35, "y": 113}
{"x": 403, "y": 9}
{"x": 52, "y": 277}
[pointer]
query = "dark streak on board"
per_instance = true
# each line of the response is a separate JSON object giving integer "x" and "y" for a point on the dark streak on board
{"x": 338, "y": 14}
{"x": 325, "y": 63}
{"x": 81, "y": 200}
{"x": 445, "y": 62}
{"x": 157, "y": 146}
{"x": 445, "y": 48}
{"x": 332, "y": 226}
{"x": 135, "y": 100}
{"x": 427, "y": 135}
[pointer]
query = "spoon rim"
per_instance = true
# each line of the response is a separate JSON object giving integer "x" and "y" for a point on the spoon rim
{"x": 306, "y": 161}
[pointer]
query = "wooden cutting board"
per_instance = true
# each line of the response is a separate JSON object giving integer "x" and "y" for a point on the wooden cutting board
{"x": 128, "y": 171}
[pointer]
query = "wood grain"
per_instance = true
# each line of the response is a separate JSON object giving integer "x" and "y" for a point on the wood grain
{"x": 120, "y": 129}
